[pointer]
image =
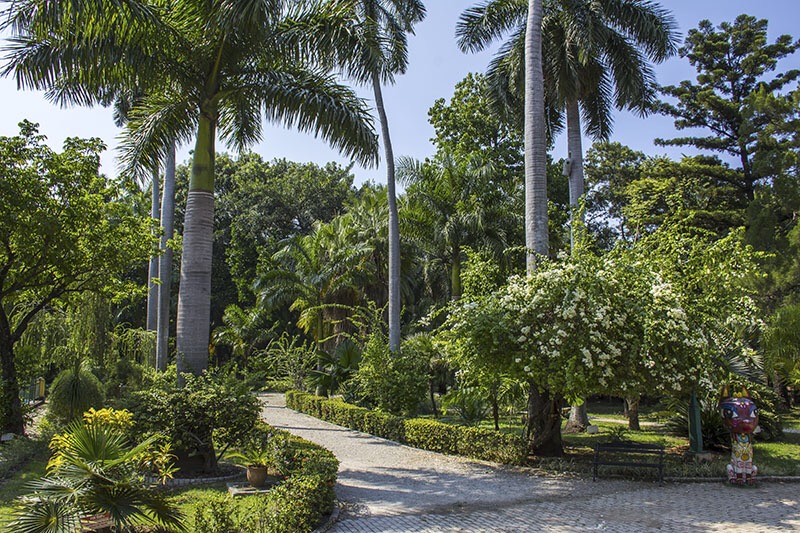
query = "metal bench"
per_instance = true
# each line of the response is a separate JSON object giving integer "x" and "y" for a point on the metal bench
{"x": 630, "y": 454}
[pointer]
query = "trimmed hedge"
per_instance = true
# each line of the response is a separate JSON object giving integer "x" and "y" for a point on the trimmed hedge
{"x": 421, "y": 433}
{"x": 296, "y": 504}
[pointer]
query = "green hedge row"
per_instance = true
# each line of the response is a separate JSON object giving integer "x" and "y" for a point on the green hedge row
{"x": 297, "y": 504}
{"x": 422, "y": 433}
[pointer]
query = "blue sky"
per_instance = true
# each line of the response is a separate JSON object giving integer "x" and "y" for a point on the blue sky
{"x": 436, "y": 65}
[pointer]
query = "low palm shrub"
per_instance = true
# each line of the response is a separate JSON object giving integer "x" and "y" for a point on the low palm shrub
{"x": 95, "y": 471}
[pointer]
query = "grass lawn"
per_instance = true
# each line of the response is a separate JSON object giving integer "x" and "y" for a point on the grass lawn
{"x": 792, "y": 419}
{"x": 15, "y": 485}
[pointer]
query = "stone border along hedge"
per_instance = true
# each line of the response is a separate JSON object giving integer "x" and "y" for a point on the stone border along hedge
{"x": 426, "y": 434}
{"x": 296, "y": 504}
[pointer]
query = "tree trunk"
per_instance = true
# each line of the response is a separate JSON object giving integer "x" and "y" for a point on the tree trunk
{"x": 394, "y": 225}
{"x": 152, "y": 274}
{"x": 578, "y": 419}
{"x": 13, "y": 421}
{"x": 455, "y": 277}
{"x": 632, "y": 404}
{"x": 495, "y": 407}
{"x": 575, "y": 147}
{"x": 544, "y": 423}
{"x": 536, "y": 230}
{"x": 433, "y": 399}
{"x": 165, "y": 261}
{"x": 194, "y": 299}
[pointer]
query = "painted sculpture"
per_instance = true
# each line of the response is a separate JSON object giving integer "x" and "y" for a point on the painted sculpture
{"x": 740, "y": 416}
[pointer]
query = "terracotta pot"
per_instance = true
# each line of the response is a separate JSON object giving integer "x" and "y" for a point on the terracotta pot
{"x": 257, "y": 475}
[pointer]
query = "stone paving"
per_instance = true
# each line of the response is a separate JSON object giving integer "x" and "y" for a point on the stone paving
{"x": 387, "y": 487}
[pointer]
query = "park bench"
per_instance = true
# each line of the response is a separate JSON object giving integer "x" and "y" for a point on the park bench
{"x": 629, "y": 454}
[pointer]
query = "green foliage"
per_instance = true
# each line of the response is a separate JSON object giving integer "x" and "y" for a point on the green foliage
{"x": 297, "y": 504}
{"x": 335, "y": 369}
{"x": 64, "y": 229}
{"x": 421, "y": 433}
{"x": 95, "y": 471}
{"x": 395, "y": 383}
{"x": 204, "y": 417}
{"x": 74, "y": 391}
{"x": 286, "y": 356}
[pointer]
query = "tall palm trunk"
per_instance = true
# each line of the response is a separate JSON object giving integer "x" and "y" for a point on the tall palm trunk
{"x": 544, "y": 418}
{"x": 536, "y": 231}
{"x": 578, "y": 417}
{"x": 455, "y": 275}
{"x": 152, "y": 274}
{"x": 165, "y": 261}
{"x": 194, "y": 299}
{"x": 394, "y": 226}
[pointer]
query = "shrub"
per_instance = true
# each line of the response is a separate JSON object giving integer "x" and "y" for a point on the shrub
{"x": 395, "y": 383}
{"x": 427, "y": 434}
{"x": 297, "y": 504}
{"x": 74, "y": 391}
{"x": 207, "y": 415}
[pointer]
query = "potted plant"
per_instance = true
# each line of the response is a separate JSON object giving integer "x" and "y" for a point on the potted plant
{"x": 256, "y": 457}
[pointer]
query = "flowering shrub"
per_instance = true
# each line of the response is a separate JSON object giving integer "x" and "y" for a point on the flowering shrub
{"x": 660, "y": 316}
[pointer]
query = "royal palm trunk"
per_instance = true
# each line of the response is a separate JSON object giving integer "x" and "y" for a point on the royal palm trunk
{"x": 536, "y": 232}
{"x": 194, "y": 298}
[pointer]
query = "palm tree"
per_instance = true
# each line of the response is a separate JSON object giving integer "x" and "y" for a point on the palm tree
{"x": 591, "y": 51}
{"x": 384, "y": 53}
{"x": 450, "y": 206}
{"x": 206, "y": 68}
{"x": 319, "y": 275}
{"x": 596, "y": 55}
{"x": 95, "y": 473}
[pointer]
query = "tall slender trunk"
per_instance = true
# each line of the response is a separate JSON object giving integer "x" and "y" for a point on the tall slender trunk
{"x": 455, "y": 276}
{"x": 394, "y": 225}
{"x": 194, "y": 299}
{"x": 578, "y": 417}
{"x": 13, "y": 421}
{"x": 536, "y": 230}
{"x": 152, "y": 274}
{"x": 165, "y": 261}
{"x": 544, "y": 422}
{"x": 575, "y": 148}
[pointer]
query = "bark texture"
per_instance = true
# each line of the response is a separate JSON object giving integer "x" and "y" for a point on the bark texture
{"x": 394, "y": 225}
{"x": 536, "y": 230}
{"x": 13, "y": 420}
{"x": 194, "y": 301}
{"x": 152, "y": 271}
{"x": 544, "y": 423}
{"x": 165, "y": 261}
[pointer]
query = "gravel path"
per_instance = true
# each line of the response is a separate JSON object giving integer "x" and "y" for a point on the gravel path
{"x": 384, "y": 486}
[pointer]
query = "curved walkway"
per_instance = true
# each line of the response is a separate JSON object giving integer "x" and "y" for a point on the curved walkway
{"x": 387, "y": 487}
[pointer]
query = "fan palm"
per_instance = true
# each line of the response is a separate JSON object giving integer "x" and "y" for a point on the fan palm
{"x": 94, "y": 472}
{"x": 205, "y": 68}
{"x": 383, "y": 52}
{"x": 596, "y": 55}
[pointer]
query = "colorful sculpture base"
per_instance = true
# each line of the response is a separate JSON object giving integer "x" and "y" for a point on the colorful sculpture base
{"x": 740, "y": 416}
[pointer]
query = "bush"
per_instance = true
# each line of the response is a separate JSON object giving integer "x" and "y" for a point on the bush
{"x": 208, "y": 414}
{"x": 427, "y": 434}
{"x": 297, "y": 504}
{"x": 395, "y": 383}
{"x": 73, "y": 392}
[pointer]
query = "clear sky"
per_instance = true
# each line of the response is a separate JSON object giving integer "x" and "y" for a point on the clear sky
{"x": 435, "y": 66}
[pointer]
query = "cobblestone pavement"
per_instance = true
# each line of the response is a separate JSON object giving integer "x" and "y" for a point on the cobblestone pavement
{"x": 386, "y": 487}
